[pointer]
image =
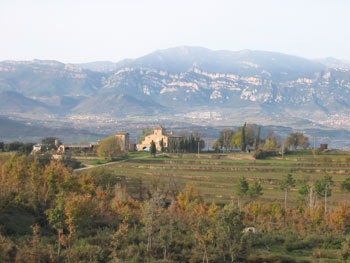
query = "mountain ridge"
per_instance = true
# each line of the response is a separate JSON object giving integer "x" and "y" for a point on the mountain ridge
{"x": 185, "y": 81}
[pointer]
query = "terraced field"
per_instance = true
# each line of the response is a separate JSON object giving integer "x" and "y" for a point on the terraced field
{"x": 216, "y": 175}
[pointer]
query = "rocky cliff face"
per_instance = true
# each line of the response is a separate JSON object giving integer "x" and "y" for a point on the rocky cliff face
{"x": 212, "y": 87}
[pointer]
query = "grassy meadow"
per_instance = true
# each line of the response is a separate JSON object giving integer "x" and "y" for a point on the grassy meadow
{"x": 216, "y": 175}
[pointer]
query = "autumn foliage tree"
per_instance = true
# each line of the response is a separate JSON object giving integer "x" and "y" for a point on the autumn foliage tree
{"x": 49, "y": 213}
{"x": 110, "y": 148}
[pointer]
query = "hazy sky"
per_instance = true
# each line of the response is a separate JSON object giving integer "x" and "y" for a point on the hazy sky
{"x": 90, "y": 30}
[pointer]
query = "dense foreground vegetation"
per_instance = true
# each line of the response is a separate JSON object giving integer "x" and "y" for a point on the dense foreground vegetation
{"x": 176, "y": 208}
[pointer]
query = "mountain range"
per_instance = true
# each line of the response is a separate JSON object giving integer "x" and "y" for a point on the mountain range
{"x": 189, "y": 83}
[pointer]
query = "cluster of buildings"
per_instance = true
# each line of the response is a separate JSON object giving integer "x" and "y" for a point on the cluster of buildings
{"x": 159, "y": 136}
{"x": 170, "y": 140}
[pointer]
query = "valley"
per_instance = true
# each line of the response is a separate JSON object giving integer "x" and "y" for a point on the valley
{"x": 181, "y": 88}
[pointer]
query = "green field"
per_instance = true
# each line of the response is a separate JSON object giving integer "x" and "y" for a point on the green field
{"x": 216, "y": 175}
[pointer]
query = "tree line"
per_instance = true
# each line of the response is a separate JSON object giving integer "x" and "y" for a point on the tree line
{"x": 249, "y": 138}
{"x": 246, "y": 138}
{"x": 21, "y": 147}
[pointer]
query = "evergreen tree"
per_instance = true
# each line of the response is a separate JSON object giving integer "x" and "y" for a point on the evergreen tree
{"x": 153, "y": 149}
{"x": 161, "y": 144}
{"x": 257, "y": 139}
{"x": 255, "y": 190}
{"x": 242, "y": 189}
{"x": 244, "y": 137}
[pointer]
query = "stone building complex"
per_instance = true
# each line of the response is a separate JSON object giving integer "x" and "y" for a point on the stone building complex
{"x": 170, "y": 141}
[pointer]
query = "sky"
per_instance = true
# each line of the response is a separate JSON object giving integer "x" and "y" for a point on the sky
{"x": 77, "y": 31}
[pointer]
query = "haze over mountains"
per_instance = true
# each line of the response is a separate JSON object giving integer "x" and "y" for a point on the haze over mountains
{"x": 210, "y": 87}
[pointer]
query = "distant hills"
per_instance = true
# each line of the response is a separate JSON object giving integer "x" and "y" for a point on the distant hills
{"x": 26, "y": 131}
{"x": 188, "y": 82}
{"x": 13, "y": 101}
